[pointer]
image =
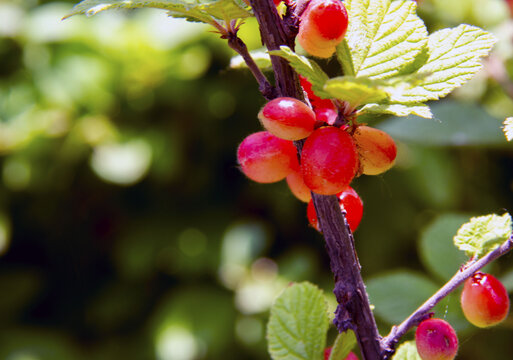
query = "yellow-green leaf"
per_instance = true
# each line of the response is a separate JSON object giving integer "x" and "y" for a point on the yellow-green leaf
{"x": 483, "y": 234}
{"x": 306, "y": 67}
{"x": 454, "y": 57}
{"x": 192, "y": 10}
{"x": 407, "y": 351}
{"x": 384, "y": 38}
{"x": 421, "y": 110}
{"x": 356, "y": 91}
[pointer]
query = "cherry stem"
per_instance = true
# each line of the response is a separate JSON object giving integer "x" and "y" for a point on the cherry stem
{"x": 264, "y": 86}
{"x": 388, "y": 343}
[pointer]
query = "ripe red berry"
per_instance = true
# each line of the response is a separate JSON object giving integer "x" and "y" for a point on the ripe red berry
{"x": 436, "y": 340}
{"x": 316, "y": 101}
{"x": 287, "y": 118}
{"x": 349, "y": 201}
{"x": 376, "y": 150}
{"x": 327, "y": 353}
{"x": 329, "y": 160}
{"x": 322, "y": 27}
{"x": 297, "y": 186}
{"x": 265, "y": 158}
{"x": 326, "y": 116}
{"x": 484, "y": 300}
{"x": 350, "y": 356}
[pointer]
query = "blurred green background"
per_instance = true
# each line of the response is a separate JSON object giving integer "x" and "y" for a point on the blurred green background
{"x": 127, "y": 231}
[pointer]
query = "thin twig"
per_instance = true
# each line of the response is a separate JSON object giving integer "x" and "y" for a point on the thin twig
{"x": 265, "y": 87}
{"x": 388, "y": 343}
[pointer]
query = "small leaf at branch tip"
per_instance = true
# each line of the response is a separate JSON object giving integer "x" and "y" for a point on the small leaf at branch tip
{"x": 483, "y": 234}
{"x": 306, "y": 67}
{"x": 508, "y": 128}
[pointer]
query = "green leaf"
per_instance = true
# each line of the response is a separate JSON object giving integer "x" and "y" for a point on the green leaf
{"x": 343, "y": 345}
{"x": 508, "y": 128}
{"x": 483, "y": 234}
{"x": 436, "y": 248}
{"x": 261, "y": 58}
{"x": 356, "y": 91}
{"x": 407, "y": 351}
{"x": 455, "y": 124}
{"x": 396, "y": 295}
{"x": 298, "y": 324}
{"x": 454, "y": 57}
{"x": 384, "y": 38}
{"x": 193, "y": 10}
{"x": 401, "y": 110}
{"x": 306, "y": 67}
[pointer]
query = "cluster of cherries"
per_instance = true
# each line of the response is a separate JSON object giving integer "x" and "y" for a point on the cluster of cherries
{"x": 331, "y": 157}
{"x": 333, "y": 152}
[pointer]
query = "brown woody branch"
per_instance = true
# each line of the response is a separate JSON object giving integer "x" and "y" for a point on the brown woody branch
{"x": 353, "y": 311}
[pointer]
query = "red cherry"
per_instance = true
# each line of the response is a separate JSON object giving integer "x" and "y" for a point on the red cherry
{"x": 436, "y": 340}
{"x": 329, "y": 160}
{"x": 376, "y": 150}
{"x": 327, "y": 353}
{"x": 287, "y": 118}
{"x": 322, "y": 27}
{"x": 297, "y": 186}
{"x": 266, "y": 158}
{"x": 484, "y": 300}
{"x": 316, "y": 101}
{"x": 350, "y": 356}
{"x": 349, "y": 201}
{"x": 326, "y": 116}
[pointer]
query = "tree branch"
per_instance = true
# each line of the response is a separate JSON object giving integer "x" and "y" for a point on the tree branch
{"x": 388, "y": 343}
{"x": 353, "y": 310}
{"x": 267, "y": 90}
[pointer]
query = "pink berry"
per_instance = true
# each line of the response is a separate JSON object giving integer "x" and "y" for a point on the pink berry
{"x": 297, "y": 186}
{"x": 287, "y": 118}
{"x": 329, "y": 160}
{"x": 322, "y": 27}
{"x": 376, "y": 150}
{"x": 327, "y": 353}
{"x": 350, "y": 356}
{"x": 484, "y": 300}
{"x": 349, "y": 201}
{"x": 316, "y": 101}
{"x": 326, "y": 116}
{"x": 436, "y": 340}
{"x": 265, "y": 158}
